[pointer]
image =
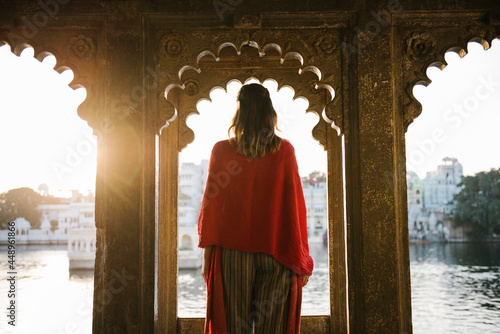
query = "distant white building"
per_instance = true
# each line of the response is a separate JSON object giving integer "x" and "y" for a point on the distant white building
{"x": 192, "y": 181}
{"x": 70, "y": 213}
{"x": 25, "y": 235}
{"x": 73, "y": 212}
{"x": 441, "y": 185}
{"x": 82, "y": 247}
{"x": 415, "y": 191}
{"x": 75, "y": 226}
{"x": 430, "y": 201}
{"x": 315, "y": 196}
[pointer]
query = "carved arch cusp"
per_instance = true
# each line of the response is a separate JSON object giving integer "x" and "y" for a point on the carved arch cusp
{"x": 423, "y": 49}
{"x": 167, "y": 112}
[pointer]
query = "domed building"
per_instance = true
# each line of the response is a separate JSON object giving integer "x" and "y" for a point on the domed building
{"x": 45, "y": 226}
{"x": 22, "y": 228}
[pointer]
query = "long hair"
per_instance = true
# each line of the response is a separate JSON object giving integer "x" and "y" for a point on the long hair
{"x": 254, "y": 122}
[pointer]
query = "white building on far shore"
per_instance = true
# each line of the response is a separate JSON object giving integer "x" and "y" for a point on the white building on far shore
{"x": 192, "y": 180}
{"x": 441, "y": 185}
{"x": 430, "y": 201}
{"x": 25, "y": 235}
{"x": 70, "y": 222}
{"x": 315, "y": 196}
{"x": 57, "y": 221}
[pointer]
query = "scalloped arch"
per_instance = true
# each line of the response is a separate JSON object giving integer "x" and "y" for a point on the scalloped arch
{"x": 41, "y": 53}
{"x": 224, "y": 88}
{"x": 413, "y": 108}
{"x": 194, "y": 70}
{"x": 231, "y": 80}
{"x": 86, "y": 107}
{"x": 262, "y": 53}
{"x": 440, "y": 62}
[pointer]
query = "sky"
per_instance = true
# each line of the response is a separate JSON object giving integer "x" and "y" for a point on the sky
{"x": 42, "y": 139}
{"x": 293, "y": 122}
{"x": 460, "y": 113}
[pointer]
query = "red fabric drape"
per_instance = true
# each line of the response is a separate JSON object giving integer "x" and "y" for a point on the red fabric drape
{"x": 254, "y": 205}
{"x": 216, "y": 319}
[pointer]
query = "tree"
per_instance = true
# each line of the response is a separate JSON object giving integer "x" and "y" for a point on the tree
{"x": 49, "y": 199}
{"x": 20, "y": 202}
{"x": 478, "y": 204}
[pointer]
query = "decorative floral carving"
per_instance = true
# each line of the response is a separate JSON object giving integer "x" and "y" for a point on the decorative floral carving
{"x": 173, "y": 46}
{"x": 247, "y": 21}
{"x": 82, "y": 47}
{"x": 326, "y": 44}
{"x": 191, "y": 87}
{"x": 420, "y": 45}
{"x": 311, "y": 87}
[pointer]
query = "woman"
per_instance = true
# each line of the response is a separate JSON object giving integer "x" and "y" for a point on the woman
{"x": 253, "y": 226}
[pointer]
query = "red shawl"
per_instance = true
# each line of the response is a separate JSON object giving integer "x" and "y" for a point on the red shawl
{"x": 254, "y": 205}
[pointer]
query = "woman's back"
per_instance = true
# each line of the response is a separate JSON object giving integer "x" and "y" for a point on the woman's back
{"x": 257, "y": 204}
{"x": 253, "y": 225}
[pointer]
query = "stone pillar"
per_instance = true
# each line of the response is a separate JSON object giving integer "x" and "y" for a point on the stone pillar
{"x": 377, "y": 227}
{"x": 125, "y": 199}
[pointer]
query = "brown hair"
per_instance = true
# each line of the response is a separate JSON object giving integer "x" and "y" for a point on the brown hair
{"x": 254, "y": 122}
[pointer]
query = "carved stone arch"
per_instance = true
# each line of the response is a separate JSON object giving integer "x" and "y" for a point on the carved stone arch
{"x": 187, "y": 135}
{"x": 40, "y": 53}
{"x": 198, "y": 87}
{"x": 311, "y": 66}
{"x": 75, "y": 50}
{"x": 190, "y": 63}
{"x": 421, "y": 48}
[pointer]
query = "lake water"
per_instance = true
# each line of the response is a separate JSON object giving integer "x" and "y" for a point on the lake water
{"x": 455, "y": 289}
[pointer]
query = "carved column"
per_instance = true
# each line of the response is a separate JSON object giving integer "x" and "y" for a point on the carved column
{"x": 377, "y": 236}
{"x": 125, "y": 190}
{"x": 104, "y": 52}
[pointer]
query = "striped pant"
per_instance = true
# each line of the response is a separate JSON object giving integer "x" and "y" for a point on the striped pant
{"x": 256, "y": 292}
